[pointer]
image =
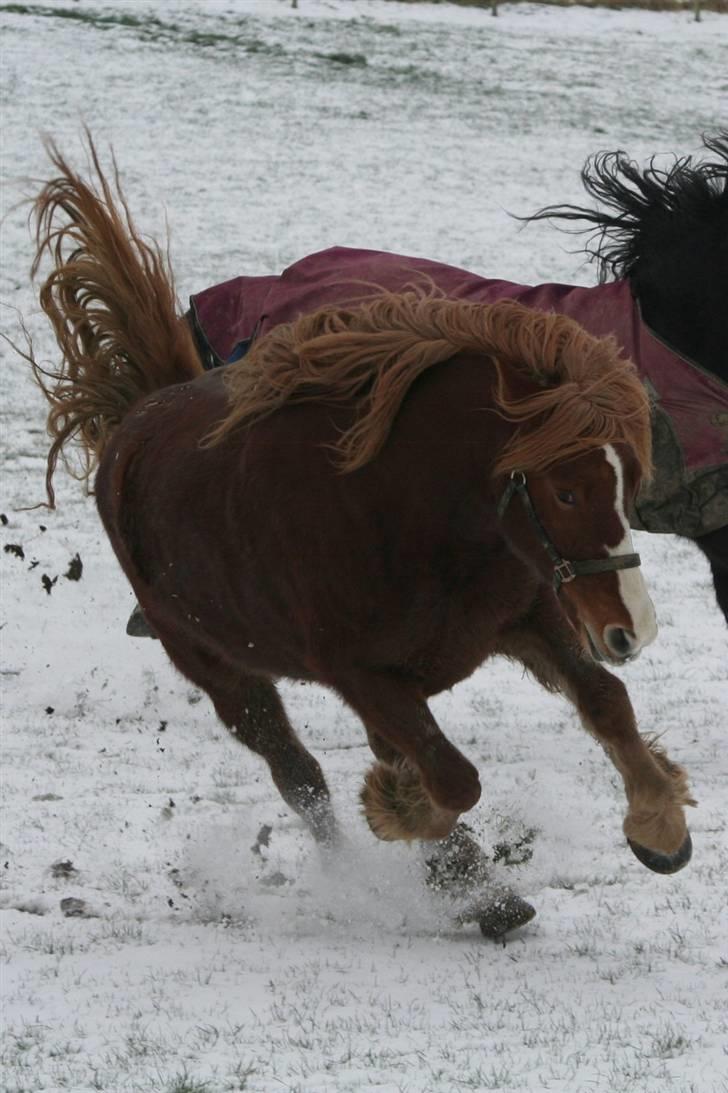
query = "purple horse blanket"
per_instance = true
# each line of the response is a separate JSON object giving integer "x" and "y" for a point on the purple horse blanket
{"x": 689, "y": 492}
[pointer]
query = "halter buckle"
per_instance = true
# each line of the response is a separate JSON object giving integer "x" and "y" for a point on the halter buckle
{"x": 564, "y": 572}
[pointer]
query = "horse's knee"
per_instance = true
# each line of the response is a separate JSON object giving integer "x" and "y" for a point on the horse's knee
{"x": 450, "y": 779}
{"x": 605, "y": 708}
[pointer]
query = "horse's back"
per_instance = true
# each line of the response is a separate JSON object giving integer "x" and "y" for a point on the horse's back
{"x": 216, "y": 535}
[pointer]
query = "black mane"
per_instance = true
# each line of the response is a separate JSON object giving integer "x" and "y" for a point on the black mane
{"x": 666, "y": 229}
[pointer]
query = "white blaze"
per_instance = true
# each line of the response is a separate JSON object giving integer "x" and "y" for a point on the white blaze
{"x": 632, "y": 586}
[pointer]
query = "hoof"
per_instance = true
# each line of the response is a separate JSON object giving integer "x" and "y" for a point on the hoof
{"x": 458, "y": 866}
{"x": 504, "y": 912}
{"x": 663, "y": 863}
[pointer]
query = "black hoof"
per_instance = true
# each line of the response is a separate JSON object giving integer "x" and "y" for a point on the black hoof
{"x": 458, "y": 866}
{"x": 507, "y": 913}
{"x": 504, "y": 911}
{"x": 663, "y": 863}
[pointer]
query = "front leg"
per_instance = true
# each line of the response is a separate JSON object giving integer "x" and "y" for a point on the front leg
{"x": 715, "y": 547}
{"x": 457, "y": 866}
{"x": 656, "y": 788}
{"x": 422, "y": 782}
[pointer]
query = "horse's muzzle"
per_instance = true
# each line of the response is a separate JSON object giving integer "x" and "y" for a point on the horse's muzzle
{"x": 620, "y": 646}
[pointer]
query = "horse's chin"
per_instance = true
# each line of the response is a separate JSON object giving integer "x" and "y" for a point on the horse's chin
{"x": 583, "y": 633}
{"x": 590, "y": 645}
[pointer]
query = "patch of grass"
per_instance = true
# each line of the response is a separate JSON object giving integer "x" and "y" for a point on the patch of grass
{"x": 356, "y": 59}
{"x": 205, "y": 38}
{"x": 92, "y": 17}
{"x": 125, "y": 884}
{"x": 123, "y": 931}
{"x": 498, "y": 1077}
{"x": 149, "y": 27}
{"x": 382, "y": 28}
{"x": 139, "y": 1045}
{"x": 587, "y": 947}
{"x": 668, "y": 1042}
{"x": 45, "y": 942}
{"x": 22, "y": 1044}
{"x": 183, "y": 1083}
{"x": 239, "y": 1077}
{"x": 255, "y": 45}
{"x": 650, "y": 5}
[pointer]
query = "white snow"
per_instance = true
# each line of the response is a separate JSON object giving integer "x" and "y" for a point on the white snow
{"x": 211, "y": 967}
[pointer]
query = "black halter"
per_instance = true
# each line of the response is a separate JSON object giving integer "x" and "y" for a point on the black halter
{"x": 564, "y": 571}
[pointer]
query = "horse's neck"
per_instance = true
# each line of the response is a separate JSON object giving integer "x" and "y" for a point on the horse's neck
{"x": 448, "y": 429}
{"x": 693, "y": 326}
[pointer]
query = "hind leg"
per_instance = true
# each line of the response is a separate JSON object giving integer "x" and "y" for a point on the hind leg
{"x": 254, "y": 713}
{"x": 250, "y": 707}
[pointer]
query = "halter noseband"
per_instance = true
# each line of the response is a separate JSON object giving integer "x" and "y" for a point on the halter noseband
{"x": 564, "y": 571}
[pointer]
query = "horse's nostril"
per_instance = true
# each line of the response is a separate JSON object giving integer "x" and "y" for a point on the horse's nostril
{"x": 619, "y": 641}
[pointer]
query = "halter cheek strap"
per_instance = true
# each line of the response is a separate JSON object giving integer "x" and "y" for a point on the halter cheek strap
{"x": 564, "y": 570}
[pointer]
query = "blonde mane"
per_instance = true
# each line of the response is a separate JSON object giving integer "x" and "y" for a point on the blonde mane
{"x": 367, "y": 356}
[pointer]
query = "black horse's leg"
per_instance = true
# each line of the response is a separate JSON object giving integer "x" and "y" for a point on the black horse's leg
{"x": 251, "y": 708}
{"x": 656, "y": 788}
{"x": 715, "y": 548}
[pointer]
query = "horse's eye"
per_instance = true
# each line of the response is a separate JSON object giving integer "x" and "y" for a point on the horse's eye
{"x": 566, "y": 497}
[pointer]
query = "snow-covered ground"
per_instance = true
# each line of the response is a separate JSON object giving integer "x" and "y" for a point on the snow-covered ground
{"x": 260, "y": 134}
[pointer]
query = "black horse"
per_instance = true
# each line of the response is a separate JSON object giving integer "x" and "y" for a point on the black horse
{"x": 665, "y": 230}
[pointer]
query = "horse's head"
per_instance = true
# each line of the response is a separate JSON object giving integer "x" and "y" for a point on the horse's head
{"x": 570, "y": 523}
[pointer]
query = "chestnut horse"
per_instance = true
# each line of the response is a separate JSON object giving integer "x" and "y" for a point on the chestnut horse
{"x": 376, "y": 498}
